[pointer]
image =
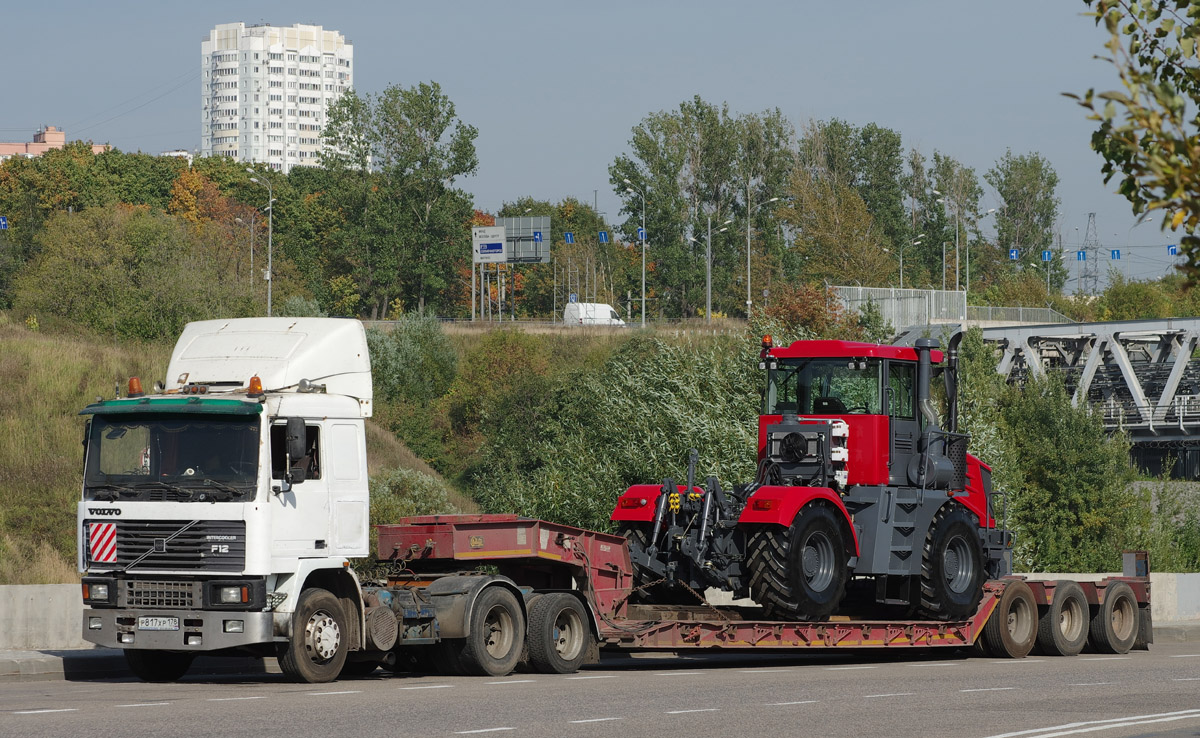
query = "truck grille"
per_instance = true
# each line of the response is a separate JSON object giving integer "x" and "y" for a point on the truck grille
{"x": 154, "y": 593}
{"x": 178, "y": 545}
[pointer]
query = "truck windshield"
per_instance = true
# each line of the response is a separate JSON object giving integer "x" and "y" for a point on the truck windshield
{"x": 186, "y": 458}
{"x": 823, "y": 387}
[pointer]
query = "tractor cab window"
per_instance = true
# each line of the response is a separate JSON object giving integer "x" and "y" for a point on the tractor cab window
{"x": 902, "y": 394}
{"x": 824, "y": 387}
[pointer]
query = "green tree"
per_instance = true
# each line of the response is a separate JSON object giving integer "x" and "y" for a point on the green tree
{"x": 1025, "y": 221}
{"x": 1146, "y": 132}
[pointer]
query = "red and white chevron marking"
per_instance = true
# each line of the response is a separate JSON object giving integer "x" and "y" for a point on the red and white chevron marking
{"x": 102, "y": 542}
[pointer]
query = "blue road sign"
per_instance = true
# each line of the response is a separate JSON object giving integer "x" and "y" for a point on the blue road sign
{"x": 569, "y": 237}
{"x": 1080, "y": 255}
{"x": 1046, "y": 256}
{"x": 3, "y": 223}
{"x": 1013, "y": 254}
{"x": 603, "y": 236}
{"x": 574, "y": 297}
{"x": 1172, "y": 250}
{"x": 537, "y": 236}
{"x": 492, "y": 248}
{"x": 1116, "y": 253}
{"x": 641, "y": 233}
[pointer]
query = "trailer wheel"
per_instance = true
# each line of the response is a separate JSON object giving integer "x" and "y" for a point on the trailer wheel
{"x": 1063, "y": 627}
{"x": 497, "y": 637}
{"x": 1012, "y": 629}
{"x": 558, "y": 634}
{"x": 158, "y": 666}
{"x": 952, "y": 572}
{"x": 1115, "y": 624}
{"x": 316, "y": 650}
{"x": 799, "y": 573}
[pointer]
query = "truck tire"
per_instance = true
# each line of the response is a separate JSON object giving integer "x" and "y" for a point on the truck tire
{"x": 952, "y": 571}
{"x": 316, "y": 650}
{"x": 158, "y": 666}
{"x": 1012, "y": 629}
{"x": 1063, "y": 627}
{"x": 497, "y": 637}
{"x": 799, "y": 572}
{"x": 1115, "y": 624}
{"x": 559, "y": 634}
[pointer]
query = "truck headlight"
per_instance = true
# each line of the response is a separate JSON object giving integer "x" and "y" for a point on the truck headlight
{"x": 99, "y": 592}
{"x": 232, "y": 595}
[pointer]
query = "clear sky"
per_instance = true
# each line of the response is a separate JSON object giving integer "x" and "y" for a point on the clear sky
{"x": 555, "y": 87}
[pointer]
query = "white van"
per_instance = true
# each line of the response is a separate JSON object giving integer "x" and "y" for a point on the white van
{"x": 590, "y": 313}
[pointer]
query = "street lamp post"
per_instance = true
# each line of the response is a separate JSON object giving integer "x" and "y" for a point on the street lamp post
{"x": 749, "y": 225}
{"x": 253, "y": 215}
{"x": 270, "y": 228}
{"x": 914, "y": 243}
{"x": 708, "y": 267}
{"x": 956, "y": 229}
{"x": 987, "y": 212}
{"x": 630, "y": 188}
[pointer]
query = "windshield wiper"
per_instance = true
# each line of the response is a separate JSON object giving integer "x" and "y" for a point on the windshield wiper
{"x": 109, "y": 492}
{"x": 229, "y": 489}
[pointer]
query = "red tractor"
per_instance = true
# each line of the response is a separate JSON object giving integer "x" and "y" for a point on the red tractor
{"x": 858, "y": 482}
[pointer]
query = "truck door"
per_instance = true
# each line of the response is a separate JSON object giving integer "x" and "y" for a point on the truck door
{"x": 905, "y": 428}
{"x": 300, "y": 513}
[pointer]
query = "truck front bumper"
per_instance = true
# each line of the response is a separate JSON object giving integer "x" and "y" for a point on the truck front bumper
{"x": 176, "y": 630}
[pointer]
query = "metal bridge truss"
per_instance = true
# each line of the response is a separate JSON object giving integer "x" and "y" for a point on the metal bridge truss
{"x": 1139, "y": 374}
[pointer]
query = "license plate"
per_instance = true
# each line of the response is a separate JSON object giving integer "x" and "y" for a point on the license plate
{"x": 153, "y": 623}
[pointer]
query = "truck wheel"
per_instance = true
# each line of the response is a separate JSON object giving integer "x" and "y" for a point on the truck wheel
{"x": 799, "y": 573}
{"x": 1012, "y": 629}
{"x": 1063, "y": 627}
{"x": 558, "y": 634}
{"x": 316, "y": 650}
{"x": 952, "y": 572}
{"x": 497, "y": 637}
{"x": 1115, "y": 624}
{"x": 158, "y": 666}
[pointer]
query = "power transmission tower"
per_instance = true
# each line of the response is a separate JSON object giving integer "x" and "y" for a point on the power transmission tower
{"x": 1089, "y": 277}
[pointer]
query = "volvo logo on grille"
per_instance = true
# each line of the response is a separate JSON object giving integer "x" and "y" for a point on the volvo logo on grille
{"x": 104, "y": 511}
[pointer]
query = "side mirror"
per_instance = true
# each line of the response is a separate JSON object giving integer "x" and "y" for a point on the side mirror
{"x": 294, "y": 435}
{"x": 297, "y": 474}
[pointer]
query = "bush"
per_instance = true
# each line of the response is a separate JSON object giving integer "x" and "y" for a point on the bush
{"x": 412, "y": 362}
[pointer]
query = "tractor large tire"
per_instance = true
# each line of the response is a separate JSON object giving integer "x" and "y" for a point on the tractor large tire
{"x": 497, "y": 637}
{"x": 1063, "y": 627}
{"x": 1012, "y": 629}
{"x": 638, "y": 535}
{"x": 799, "y": 572}
{"x": 158, "y": 666}
{"x": 952, "y": 568}
{"x": 1115, "y": 625}
{"x": 559, "y": 634}
{"x": 316, "y": 650}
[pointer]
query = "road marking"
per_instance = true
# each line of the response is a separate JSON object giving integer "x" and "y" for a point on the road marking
{"x": 39, "y": 712}
{"x": 848, "y": 668}
{"x": 1121, "y": 722}
{"x": 597, "y": 676}
{"x": 1017, "y": 661}
{"x": 1105, "y": 658}
{"x": 1184, "y": 656}
{"x": 1187, "y": 679}
{"x": 348, "y": 691}
{"x": 1089, "y": 684}
{"x": 236, "y": 699}
{"x": 680, "y": 673}
{"x": 514, "y": 681}
{"x": 481, "y": 730}
{"x": 145, "y": 704}
{"x": 596, "y": 720}
{"x": 892, "y": 694}
{"x": 429, "y": 686}
{"x": 941, "y": 664}
{"x": 781, "y": 704}
{"x": 987, "y": 689}
{"x": 682, "y": 712}
{"x": 763, "y": 671}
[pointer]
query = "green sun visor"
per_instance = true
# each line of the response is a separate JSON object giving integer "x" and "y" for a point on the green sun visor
{"x": 191, "y": 404}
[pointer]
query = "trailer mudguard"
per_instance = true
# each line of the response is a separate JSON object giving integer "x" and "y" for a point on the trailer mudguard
{"x": 773, "y": 505}
{"x": 452, "y": 598}
{"x": 637, "y": 504}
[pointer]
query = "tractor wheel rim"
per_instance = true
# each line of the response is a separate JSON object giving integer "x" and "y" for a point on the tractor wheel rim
{"x": 816, "y": 561}
{"x": 958, "y": 565}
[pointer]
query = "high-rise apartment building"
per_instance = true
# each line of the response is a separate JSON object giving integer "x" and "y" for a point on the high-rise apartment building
{"x": 266, "y": 89}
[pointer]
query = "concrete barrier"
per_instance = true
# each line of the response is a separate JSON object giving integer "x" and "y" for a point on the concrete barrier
{"x": 37, "y": 616}
{"x": 1173, "y": 597}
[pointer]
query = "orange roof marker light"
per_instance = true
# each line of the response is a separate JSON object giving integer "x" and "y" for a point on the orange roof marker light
{"x": 767, "y": 342}
{"x": 254, "y": 389}
{"x": 135, "y": 387}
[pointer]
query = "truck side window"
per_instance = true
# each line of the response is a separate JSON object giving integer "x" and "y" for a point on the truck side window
{"x": 901, "y": 380}
{"x": 312, "y": 456}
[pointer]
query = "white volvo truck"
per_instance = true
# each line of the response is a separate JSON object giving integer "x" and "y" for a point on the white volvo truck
{"x": 221, "y": 510}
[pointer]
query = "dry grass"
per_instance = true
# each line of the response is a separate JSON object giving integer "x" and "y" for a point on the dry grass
{"x": 385, "y": 451}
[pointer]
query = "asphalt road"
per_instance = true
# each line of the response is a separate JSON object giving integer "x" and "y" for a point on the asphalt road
{"x": 844, "y": 694}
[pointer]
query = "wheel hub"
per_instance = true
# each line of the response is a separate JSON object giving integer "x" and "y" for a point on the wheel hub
{"x": 322, "y": 636}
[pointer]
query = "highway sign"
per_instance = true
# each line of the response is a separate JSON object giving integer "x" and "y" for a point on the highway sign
{"x": 1116, "y": 253}
{"x": 641, "y": 233}
{"x": 1081, "y": 255}
{"x": 603, "y": 236}
{"x": 526, "y": 240}
{"x": 574, "y": 297}
{"x": 1172, "y": 250}
{"x": 3, "y": 223}
{"x": 1013, "y": 254}
{"x": 488, "y": 245}
{"x": 569, "y": 237}
{"x": 1046, "y": 256}
{"x": 537, "y": 236}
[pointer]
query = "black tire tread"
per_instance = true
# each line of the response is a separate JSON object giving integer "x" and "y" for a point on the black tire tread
{"x": 934, "y": 602}
{"x": 771, "y": 584}
{"x": 1101, "y": 635}
{"x": 293, "y": 661}
{"x": 1050, "y": 638}
{"x": 543, "y": 654}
